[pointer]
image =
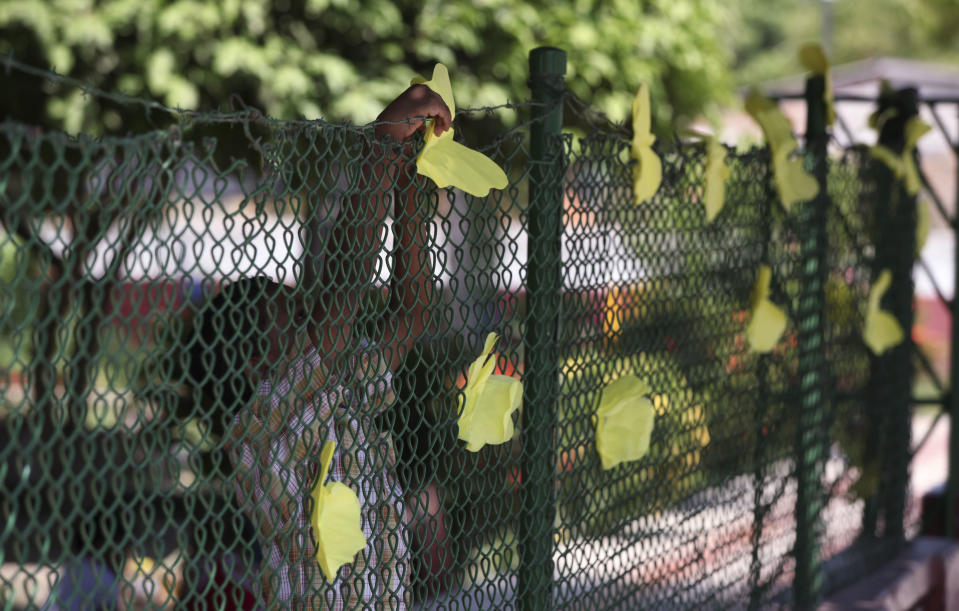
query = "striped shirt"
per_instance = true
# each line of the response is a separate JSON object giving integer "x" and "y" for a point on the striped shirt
{"x": 276, "y": 443}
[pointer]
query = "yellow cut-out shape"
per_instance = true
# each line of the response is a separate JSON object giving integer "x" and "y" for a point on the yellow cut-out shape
{"x": 449, "y": 163}
{"x": 892, "y": 160}
{"x": 776, "y": 127}
{"x": 814, "y": 59}
{"x": 717, "y": 173}
{"x": 915, "y": 129}
{"x": 878, "y": 119}
{"x": 767, "y": 322}
{"x": 922, "y": 225}
{"x": 904, "y": 166}
{"x": 336, "y": 519}
{"x": 648, "y": 170}
{"x": 487, "y": 403}
{"x": 882, "y": 330}
{"x": 624, "y": 421}
{"x": 792, "y": 181}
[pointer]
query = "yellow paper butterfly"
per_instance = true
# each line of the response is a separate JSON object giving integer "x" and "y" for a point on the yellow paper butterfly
{"x": 648, "y": 171}
{"x": 882, "y": 330}
{"x": 449, "y": 163}
{"x": 792, "y": 181}
{"x": 903, "y": 166}
{"x": 624, "y": 421}
{"x": 813, "y": 58}
{"x": 717, "y": 173}
{"x": 768, "y": 322}
{"x": 335, "y": 519}
{"x": 487, "y": 403}
{"x": 922, "y": 226}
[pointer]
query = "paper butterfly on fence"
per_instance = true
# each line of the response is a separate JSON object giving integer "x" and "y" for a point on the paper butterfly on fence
{"x": 903, "y": 166}
{"x": 813, "y": 58}
{"x": 792, "y": 181}
{"x": 335, "y": 519}
{"x": 623, "y": 421}
{"x": 922, "y": 226}
{"x": 717, "y": 173}
{"x": 449, "y": 163}
{"x": 882, "y": 330}
{"x": 487, "y": 403}
{"x": 768, "y": 322}
{"x": 648, "y": 171}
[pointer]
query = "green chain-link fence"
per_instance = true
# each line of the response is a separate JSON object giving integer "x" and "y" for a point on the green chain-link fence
{"x": 157, "y": 445}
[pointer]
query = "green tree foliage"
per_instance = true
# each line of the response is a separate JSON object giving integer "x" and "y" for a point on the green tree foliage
{"x": 343, "y": 59}
{"x": 770, "y": 31}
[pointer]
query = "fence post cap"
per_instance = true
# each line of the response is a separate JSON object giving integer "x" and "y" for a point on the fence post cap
{"x": 547, "y": 61}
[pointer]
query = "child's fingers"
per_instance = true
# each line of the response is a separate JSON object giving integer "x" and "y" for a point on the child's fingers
{"x": 441, "y": 122}
{"x": 440, "y": 113}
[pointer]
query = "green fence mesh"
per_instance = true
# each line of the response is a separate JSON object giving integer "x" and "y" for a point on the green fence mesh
{"x": 187, "y": 315}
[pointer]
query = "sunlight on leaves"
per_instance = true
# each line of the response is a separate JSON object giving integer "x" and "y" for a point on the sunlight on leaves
{"x": 623, "y": 421}
{"x": 882, "y": 330}
{"x": 447, "y": 162}
{"x": 487, "y": 403}
{"x": 767, "y": 322}
{"x": 336, "y": 520}
{"x": 648, "y": 170}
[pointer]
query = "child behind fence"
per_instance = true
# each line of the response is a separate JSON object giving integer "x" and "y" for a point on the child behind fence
{"x": 306, "y": 378}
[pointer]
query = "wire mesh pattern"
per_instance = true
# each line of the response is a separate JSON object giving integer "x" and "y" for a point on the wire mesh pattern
{"x": 188, "y": 315}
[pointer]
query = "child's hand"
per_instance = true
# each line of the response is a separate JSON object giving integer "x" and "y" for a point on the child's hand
{"x": 405, "y": 115}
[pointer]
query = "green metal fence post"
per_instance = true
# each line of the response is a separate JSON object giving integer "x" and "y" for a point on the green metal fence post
{"x": 547, "y": 69}
{"x": 896, "y": 250}
{"x": 812, "y": 445}
{"x": 952, "y": 483}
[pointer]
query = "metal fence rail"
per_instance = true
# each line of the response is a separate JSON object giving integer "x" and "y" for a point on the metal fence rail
{"x": 138, "y": 358}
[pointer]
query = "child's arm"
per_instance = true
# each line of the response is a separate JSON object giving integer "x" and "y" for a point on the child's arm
{"x": 411, "y": 283}
{"x": 347, "y": 261}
